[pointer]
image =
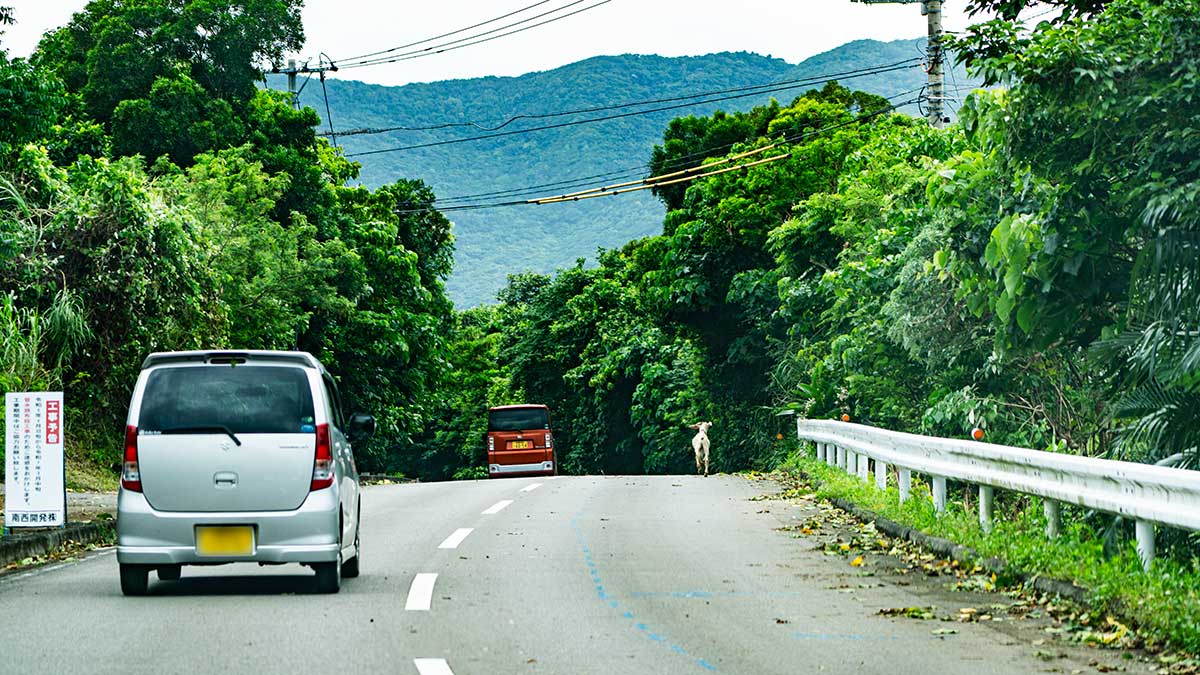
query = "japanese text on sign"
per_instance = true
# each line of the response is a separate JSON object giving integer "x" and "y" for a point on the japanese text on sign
{"x": 35, "y": 489}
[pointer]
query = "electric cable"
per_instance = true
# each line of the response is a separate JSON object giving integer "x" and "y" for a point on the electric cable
{"x": 328, "y": 114}
{"x": 651, "y": 182}
{"x": 451, "y": 46}
{"x": 445, "y": 35}
{"x": 765, "y": 88}
{"x": 675, "y": 163}
{"x": 559, "y": 125}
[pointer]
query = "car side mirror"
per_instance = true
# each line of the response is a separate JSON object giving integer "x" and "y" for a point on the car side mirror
{"x": 361, "y": 426}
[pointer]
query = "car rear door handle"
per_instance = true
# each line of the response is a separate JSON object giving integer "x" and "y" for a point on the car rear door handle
{"x": 225, "y": 479}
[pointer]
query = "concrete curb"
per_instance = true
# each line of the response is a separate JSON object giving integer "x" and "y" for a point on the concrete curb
{"x": 17, "y": 547}
{"x": 962, "y": 554}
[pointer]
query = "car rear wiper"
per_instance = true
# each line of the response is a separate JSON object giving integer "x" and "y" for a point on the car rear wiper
{"x": 191, "y": 430}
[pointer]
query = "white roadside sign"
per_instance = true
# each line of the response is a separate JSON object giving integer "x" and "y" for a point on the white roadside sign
{"x": 35, "y": 488}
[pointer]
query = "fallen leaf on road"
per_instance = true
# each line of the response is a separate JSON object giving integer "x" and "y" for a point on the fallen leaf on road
{"x": 923, "y": 613}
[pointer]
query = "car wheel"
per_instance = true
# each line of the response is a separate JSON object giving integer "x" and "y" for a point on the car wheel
{"x": 350, "y": 567}
{"x": 329, "y": 575}
{"x": 170, "y": 572}
{"x": 134, "y": 579}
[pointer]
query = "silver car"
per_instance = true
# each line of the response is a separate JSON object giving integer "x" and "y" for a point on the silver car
{"x": 238, "y": 457}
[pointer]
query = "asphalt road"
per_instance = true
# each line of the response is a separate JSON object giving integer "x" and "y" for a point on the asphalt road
{"x": 571, "y": 575}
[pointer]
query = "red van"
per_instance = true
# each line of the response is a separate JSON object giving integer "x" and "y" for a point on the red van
{"x": 519, "y": 441}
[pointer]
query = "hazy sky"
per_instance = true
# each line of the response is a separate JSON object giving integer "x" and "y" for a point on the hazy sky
{"x": 792, "y": 30}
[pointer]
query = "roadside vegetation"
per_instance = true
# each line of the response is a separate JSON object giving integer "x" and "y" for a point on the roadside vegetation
{"x": 153, "y": 196}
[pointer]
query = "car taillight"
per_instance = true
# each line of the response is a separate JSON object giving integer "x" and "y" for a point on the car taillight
{"x": 549, "y": 440}
{"x": 323, "y": 462}
{"x": 491, "y": 444}
{"x": 131, "y": 477}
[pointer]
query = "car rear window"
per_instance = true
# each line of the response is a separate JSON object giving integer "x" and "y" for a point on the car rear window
{"x": 517, "y": 419}
{"x": 244, "y": 399}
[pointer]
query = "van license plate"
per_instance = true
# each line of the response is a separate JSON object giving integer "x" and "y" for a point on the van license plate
{"x": 224, "y": 540}
{"x": 520, "y": 445}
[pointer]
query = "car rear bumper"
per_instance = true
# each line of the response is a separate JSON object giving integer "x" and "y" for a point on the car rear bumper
{"x": 521, "y": 469}
{"x": 308, "y": 534}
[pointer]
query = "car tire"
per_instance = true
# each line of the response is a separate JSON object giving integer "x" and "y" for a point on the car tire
{"x": 329, "y": 575}
{"x": 170, "y": 572}
{"x": 135, "y": 579}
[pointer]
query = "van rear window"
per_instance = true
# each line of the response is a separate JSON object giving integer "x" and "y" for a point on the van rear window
{"x": 517, "y": 419}
{"x": 245, "y": 399}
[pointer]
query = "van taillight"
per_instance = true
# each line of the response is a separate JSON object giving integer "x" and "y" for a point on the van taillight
{"x": 549, "y": 440}
{"x": 131, "y": 477}
{"x": 491, "y": 443}
{"x": 323, "y": 462}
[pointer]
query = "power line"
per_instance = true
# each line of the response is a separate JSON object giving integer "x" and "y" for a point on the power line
{"x": 445, "y": 35}
{"x": 670, "y": 178}
{"x": 328, "y": 114}
{"x": 656, "y": 181}
{"x": 765, "y": 88}
{"x": 591, "y": 120}
{"x": 451, "y": 46}
{"x": 674, "y": 164}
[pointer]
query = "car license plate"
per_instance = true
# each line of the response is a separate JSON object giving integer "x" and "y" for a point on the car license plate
{"x": 520, "y": 445}
{"x": 224, "y": 540}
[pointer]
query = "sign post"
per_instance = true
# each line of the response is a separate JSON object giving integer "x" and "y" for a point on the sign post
{"x": 34, "y": 463}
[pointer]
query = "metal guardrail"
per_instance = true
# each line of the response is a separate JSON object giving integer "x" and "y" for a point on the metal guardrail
{"x": 1146, "y": 493}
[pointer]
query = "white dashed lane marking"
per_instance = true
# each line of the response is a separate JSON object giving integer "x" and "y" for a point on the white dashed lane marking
{"x": 420, "y": 593}
{"x": 497, "y": 507}
{"x": 432, "y": 667}
{"x": 457, "y": 538}
{"x": 531, "y": 487}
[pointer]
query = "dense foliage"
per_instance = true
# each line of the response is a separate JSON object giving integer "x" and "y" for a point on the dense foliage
{"x": 153, "y": 197}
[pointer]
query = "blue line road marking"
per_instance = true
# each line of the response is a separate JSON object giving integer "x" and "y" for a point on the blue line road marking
{"x": 605, "y": 597}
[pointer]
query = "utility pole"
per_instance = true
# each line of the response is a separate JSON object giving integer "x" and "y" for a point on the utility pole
{"x": 291, "y": 73}
{"x": 292, "y": 70}
{"x": 932, "y": 10}
{"x": 937, "y": 86}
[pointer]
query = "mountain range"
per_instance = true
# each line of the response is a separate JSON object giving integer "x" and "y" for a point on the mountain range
{"x": 513, "y": 162}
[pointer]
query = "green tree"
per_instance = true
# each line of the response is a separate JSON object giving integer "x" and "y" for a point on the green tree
{"x": 1096, "y": 231}
{"x": 114, "y": 51}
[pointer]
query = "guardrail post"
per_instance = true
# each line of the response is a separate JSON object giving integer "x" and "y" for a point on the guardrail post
{"x": 939, "y": 494}
{"x": 881, "y": 469}
{"x": 986, "y": 494}
{"x": 904, "y": 482}
{"x": 1145, "y": 542}
{"x": 830, "y": 454}
{"x": 843, "y": 457}
{"x": 1053, "y": 511}
{"x": 864, "y": 468}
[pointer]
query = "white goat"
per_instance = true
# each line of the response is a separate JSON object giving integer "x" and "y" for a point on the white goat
{"x": 700, "y": 444}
